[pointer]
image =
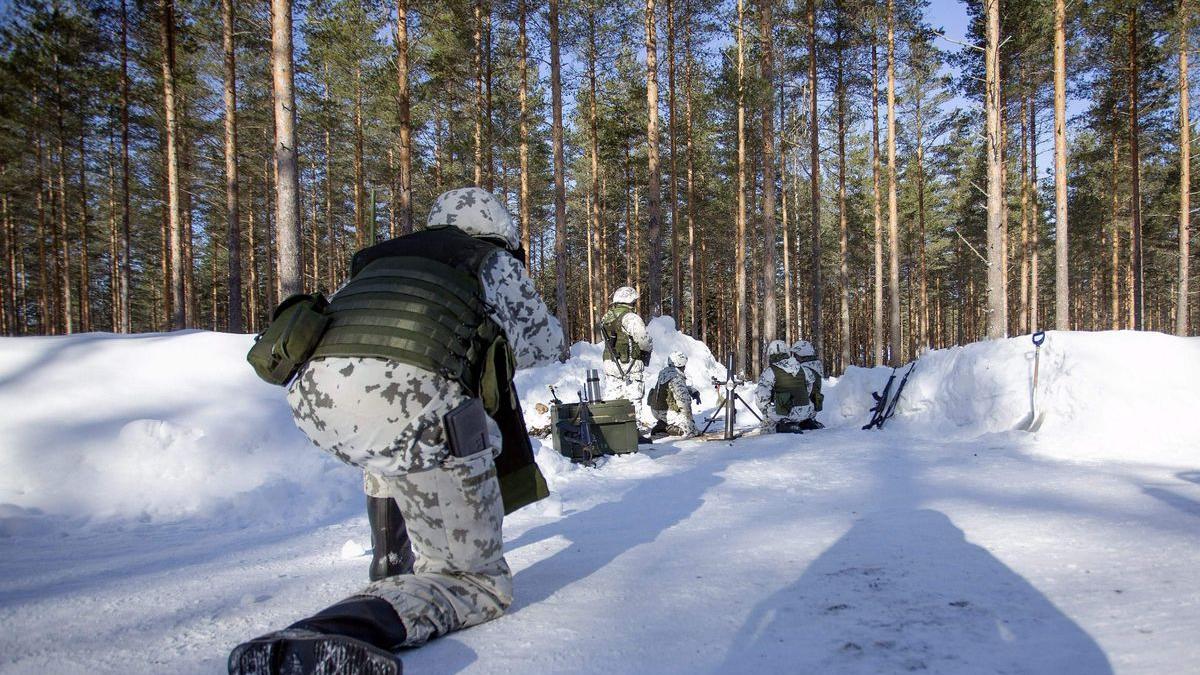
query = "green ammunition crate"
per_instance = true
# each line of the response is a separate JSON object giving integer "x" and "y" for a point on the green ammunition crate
{"x": 614, "y": 428}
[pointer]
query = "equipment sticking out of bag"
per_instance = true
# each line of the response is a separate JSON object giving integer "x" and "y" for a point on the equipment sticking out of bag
{"x": 885, "y": 401}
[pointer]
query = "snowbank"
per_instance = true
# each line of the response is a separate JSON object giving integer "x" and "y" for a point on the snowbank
{"x": 152, "y": 428}
{"x": 570, "y": 378}
{"x": 1115, "y": 395}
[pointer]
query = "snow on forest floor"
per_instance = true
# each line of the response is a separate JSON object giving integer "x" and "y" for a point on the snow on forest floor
{"x": 837, "y": 551}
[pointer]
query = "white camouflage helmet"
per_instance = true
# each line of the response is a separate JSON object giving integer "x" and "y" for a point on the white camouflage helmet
{"x": 478, "y": 213}
{"x": 776, "y": 348}
{"x": 678, "y": 359}
{"x": 803, "y": 348}
{"x": 625, "y": 294}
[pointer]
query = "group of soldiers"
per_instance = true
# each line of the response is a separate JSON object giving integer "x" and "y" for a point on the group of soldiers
{"x": 788, "y": 392}
{"x": 411, "y": 381}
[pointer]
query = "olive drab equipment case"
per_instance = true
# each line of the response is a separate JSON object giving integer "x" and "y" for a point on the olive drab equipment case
{"x": 613, "y": 428}
{"x": 290, "y": 338}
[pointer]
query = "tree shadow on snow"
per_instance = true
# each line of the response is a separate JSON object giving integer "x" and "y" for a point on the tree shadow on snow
{"x": 904, "y": 590}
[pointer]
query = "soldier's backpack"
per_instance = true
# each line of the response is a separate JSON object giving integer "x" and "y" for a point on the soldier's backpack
{"x": 289, "y": 339}
{"x": 660, "y": 395}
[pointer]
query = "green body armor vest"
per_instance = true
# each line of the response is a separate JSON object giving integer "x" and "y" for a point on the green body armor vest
{"x": 790, "y": 390}
{"x": 417, "y": 299}
{"x": 660, "y": 396}
{"x": 618, "y": 346}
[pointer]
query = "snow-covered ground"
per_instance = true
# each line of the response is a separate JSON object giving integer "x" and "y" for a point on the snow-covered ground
{"x": 157, "y": 507}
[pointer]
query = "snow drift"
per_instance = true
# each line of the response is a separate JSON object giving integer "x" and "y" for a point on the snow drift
{"x": 164, "y": 427}
{"x": 1114, "y": 395}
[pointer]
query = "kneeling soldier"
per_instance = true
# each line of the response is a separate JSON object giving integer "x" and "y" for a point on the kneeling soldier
{"x": 789, "y": 390}
{"x": 671, "y": 399}
{"x": 412, "y": 382}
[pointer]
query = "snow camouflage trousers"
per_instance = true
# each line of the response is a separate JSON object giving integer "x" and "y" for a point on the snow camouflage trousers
{"x": 631, "y": 387}
{"x": 679, "y": 422}
{"x": 386, "y": 418}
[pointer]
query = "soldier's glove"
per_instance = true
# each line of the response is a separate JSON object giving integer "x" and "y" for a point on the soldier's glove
{"x": 695, "y": 396}
{"x": 645, "y": 358}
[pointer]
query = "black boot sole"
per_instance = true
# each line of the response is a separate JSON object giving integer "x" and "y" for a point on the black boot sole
{"x": 303, "y": 652}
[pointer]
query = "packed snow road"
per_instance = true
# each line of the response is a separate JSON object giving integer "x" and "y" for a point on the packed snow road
{"x": 838, "y": 551}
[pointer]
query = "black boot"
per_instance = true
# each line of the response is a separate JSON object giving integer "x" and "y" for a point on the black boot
{"x": 357, "y": 635}
{"x": 391, "y": 551}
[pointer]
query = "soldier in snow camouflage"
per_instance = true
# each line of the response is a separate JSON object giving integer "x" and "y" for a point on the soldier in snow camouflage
{"x": 672, "y": 397}
{"x": 386, "y": 416}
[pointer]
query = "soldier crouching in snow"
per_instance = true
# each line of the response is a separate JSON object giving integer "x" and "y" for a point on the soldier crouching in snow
{"x": 671, "y": 399}
{"x": 789, "y": 389}
{"x": 412, "y": 382}
{"x": 627, "y": 348}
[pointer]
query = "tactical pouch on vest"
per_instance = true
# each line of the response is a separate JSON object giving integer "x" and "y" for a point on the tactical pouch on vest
{"x": 287, "y": 342}
{"x": 658, "y": 396}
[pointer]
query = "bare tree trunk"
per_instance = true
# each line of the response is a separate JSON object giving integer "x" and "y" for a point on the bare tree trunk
{"x": 1115, "y": 251}
{"x": 594, "y": 138}
{"x": 560, "y": 191}
{"x": 232, "y": 217}
{"x": 922, "y": 274}
{"x": 360, "y": 197}
{"x": 489, "y": 174}
{"x": 895, "y": 342}
{"x": 739, "y": 260}
{"x": 85, "y": 276}
{"x": 1036, "y": 225}
{"x": 478, "y": 65}
{"x": 694, "y": 278}
{"x": 66, "y": 318}
{"x": 1185, "y": 175}
{"x": 788, "y": 327}
{"x": 523, "y": 97}
{"x": 770, "y": 320}
{"x": 126, "y": 313}
{"x": 878, "y": 315}
{"x": 818, "y": 338}
{"x": 1062, "y": 287}
{"x": 997, "y": 323}
{"x": 45, "y": 313}
{"x": 405, "y": 154}
{"x": 676, "y": 268}
{"x": 174, "y": 224}
{"x": 114, "y": 252}
{"x": 653, "y": 188}
{"x": 287, "y": 189}
{"x": 1023, "y": 316}
{"x": 843, "y": 236}
{"x": 1135, "y": 199}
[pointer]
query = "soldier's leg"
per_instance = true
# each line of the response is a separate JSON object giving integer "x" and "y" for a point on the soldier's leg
{"x": 681, "y": 422}
{"x": 460, "y": 579}
{"x": 387, "y": 418}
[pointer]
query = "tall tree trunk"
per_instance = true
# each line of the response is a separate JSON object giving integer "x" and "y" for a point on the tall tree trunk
{"x": 1185, "y": 175}
{"x": 114, "y": 252}
{"x": 997, "y": 323}
{"x": 653, "y": 187}
{"x": 693, "y": 277}
{"x": 1135, "y": 199}
{"x": 1023, "y": 316}
{"x": 560, "y": 190}
{"x": 174, "y": 224}
{"x": 1115, "y": 239}
{"x": 489, "y": 143}
{"x": 594, "y": 156}
{"x": 1062, "y": 286}
{"x": 896, "y": 342}
{"x": 360, "y": 197}
{"x": 877, "y": 334}
{"x": 404, "y": 177}
{"x": 232, "y": 217}
{"x": 123, "y": 292}
{"x": 477, "y": 58}
{"x": 676, "y": 268}
{"x": 739, "y": 261}
{"x": 85, "y": 276}
{"x": 66, "y": 319}
{"x": 44, "y": 303}
{"x": 287, "y": 189}
{"x": 523, "y": 97}
{"x": 1035, "y": 238}
{"x": 843, "y": 236}
{"x": 770, "y": 321}
{"x": 818, "y": 338}
{"x": 922, "y": 272}
{"x": 788, "y": 328}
